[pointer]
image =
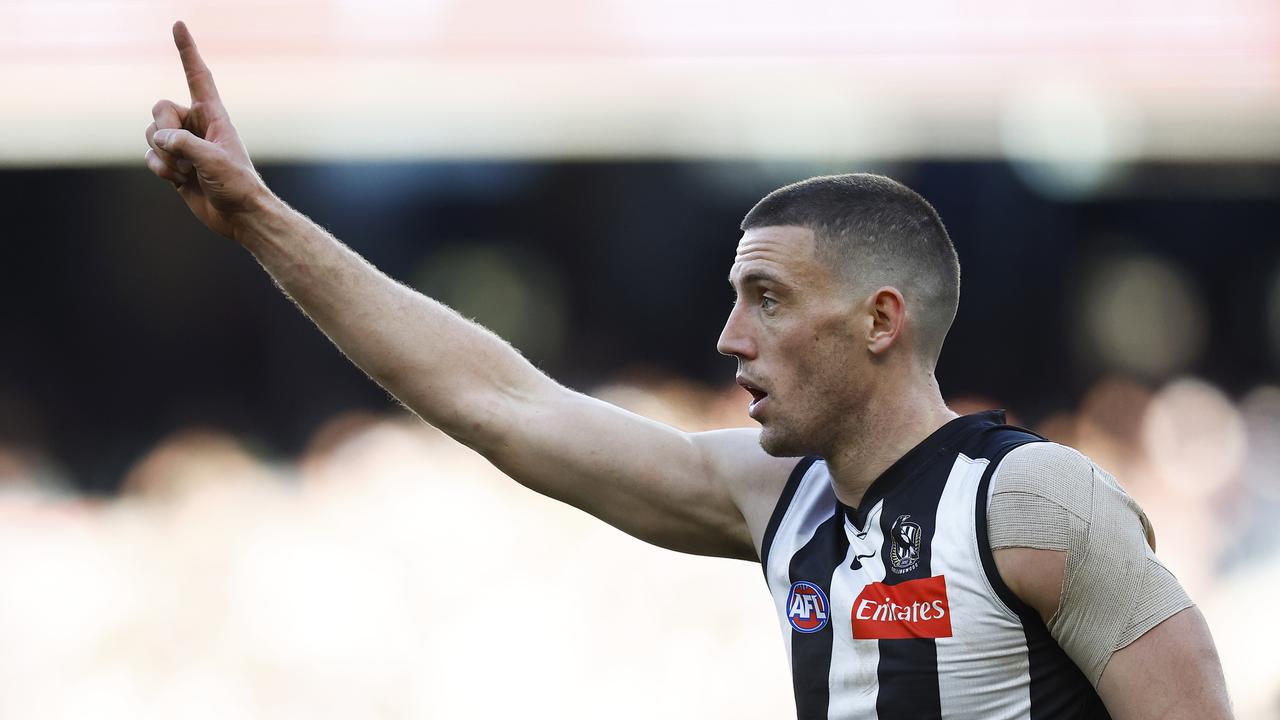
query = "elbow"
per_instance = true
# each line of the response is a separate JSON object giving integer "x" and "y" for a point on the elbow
{"x": 484, "y": 421}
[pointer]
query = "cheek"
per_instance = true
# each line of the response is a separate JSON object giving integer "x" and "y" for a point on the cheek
{"x": 820, "y": 362}
{"x": 826, "y": 368}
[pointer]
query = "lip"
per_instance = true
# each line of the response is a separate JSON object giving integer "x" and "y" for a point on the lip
{"x": 759, "y": 395}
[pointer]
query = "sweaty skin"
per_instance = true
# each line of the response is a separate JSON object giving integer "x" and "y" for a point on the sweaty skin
{"x": 841, "y": 377}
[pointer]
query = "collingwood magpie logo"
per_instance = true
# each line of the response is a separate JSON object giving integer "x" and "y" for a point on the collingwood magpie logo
{"x": 904, "y": 548}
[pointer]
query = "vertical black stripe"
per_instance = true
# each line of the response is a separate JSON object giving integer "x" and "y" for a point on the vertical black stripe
{"x": 1059, "y": 690}
{"x": 980, "y": 524}
{"x": 780, "y": 510}
{"x": 811, "y": 652}
{"x": 908, "y": 670}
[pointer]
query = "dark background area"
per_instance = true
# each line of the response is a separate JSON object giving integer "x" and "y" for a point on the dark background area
{"x": 124, "y": 318}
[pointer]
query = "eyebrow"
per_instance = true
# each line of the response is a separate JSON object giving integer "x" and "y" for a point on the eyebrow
{"x": 757, "y": 276}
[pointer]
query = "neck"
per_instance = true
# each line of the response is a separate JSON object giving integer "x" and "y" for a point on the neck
{"x": 892, "y": 422}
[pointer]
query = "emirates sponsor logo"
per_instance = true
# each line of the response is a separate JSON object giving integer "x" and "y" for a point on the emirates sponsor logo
{"x": 913, "y": 609}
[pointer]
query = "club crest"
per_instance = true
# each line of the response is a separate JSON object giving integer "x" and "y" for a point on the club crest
{"x": 904, "y": 548}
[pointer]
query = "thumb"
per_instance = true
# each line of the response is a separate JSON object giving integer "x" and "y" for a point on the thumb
{"x": 184, "y": 143}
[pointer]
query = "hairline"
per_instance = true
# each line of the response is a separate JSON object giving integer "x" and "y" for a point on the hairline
{"x": 859, "y": 263}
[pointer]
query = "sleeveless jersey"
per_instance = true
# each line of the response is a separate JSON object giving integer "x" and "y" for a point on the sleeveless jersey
{"x": 894, "y": 609}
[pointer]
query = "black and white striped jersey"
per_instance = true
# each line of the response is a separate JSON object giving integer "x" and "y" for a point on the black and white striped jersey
{"x": 894, "y": 609}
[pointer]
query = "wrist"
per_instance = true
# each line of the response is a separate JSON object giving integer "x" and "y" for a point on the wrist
{"x": 261, "y": 211}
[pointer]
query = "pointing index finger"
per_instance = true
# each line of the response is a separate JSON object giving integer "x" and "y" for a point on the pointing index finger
{"x": 199, "y": 79}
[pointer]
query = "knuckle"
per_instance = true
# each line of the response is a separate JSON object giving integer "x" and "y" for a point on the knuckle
{"x": 158, "y": 166}
{"x": 210, "y": 110}
{"x": 167, "y": 114}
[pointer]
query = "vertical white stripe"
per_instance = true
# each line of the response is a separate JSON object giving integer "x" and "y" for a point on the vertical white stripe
{"x": 983, "y": 669}
{"x": 811, "y": 504}
{"x": 853, "y": 681}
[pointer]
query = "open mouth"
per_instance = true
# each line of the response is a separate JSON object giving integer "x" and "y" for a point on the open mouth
{"x": 758, "y": 394}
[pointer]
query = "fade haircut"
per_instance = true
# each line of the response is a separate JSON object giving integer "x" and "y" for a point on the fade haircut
{"x": 874, "y": 231}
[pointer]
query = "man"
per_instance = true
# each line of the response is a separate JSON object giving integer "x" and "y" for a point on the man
{"x": 878, "y": 545}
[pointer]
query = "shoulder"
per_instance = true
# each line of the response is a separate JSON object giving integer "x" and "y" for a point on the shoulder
{"x": 1071, "y": 544}
{"x": 1061, "y": 485}
{"x": 1059, "y": 474}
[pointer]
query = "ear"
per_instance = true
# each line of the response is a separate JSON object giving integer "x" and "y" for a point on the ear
{"x": 888, "y": 319}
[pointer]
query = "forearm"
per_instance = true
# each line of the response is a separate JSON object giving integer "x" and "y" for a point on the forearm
{"x": 453, "y": 373}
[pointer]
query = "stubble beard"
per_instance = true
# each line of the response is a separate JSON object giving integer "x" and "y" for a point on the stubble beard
{"x": 805, "y": 433}
{"x": 780, "y": 440}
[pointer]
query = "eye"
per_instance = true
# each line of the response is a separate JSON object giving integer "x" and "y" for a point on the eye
{"x": 767, "y": 303}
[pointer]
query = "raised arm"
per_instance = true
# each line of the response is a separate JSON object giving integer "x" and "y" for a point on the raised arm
{"x": 706, "y": 493}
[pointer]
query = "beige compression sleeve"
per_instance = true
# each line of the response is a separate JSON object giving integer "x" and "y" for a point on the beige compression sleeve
{"x": 1051, "y": 497}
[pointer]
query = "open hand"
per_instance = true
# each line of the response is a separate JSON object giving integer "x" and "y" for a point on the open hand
{"x": 198, "y": 150}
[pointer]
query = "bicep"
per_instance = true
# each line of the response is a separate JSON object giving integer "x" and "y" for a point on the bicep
{"x": 1171, "y": 672}
{"x": 690, "y": 492}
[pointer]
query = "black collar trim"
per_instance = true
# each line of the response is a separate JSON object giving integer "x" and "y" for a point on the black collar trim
{"x": 944, "y": 439}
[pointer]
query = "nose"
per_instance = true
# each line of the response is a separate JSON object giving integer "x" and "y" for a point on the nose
{"x": 735, "y": 338}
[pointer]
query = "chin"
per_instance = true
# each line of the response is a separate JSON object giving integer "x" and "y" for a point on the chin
{"x": 778, "y": 443}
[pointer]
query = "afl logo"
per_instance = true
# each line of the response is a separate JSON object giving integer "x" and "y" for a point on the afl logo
{"x": 807, "y": 607}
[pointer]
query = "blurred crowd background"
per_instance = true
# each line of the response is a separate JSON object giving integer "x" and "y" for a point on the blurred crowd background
{"x": 205, "y": 511}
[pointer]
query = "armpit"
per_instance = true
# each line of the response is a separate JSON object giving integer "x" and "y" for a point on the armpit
{"x": 1051, "y": 497}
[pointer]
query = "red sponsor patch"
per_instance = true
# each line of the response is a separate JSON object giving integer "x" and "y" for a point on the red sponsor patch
{"x": 912, "y": 609}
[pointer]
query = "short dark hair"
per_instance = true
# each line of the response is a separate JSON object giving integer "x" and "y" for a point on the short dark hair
{"x": 875, "y": 231}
